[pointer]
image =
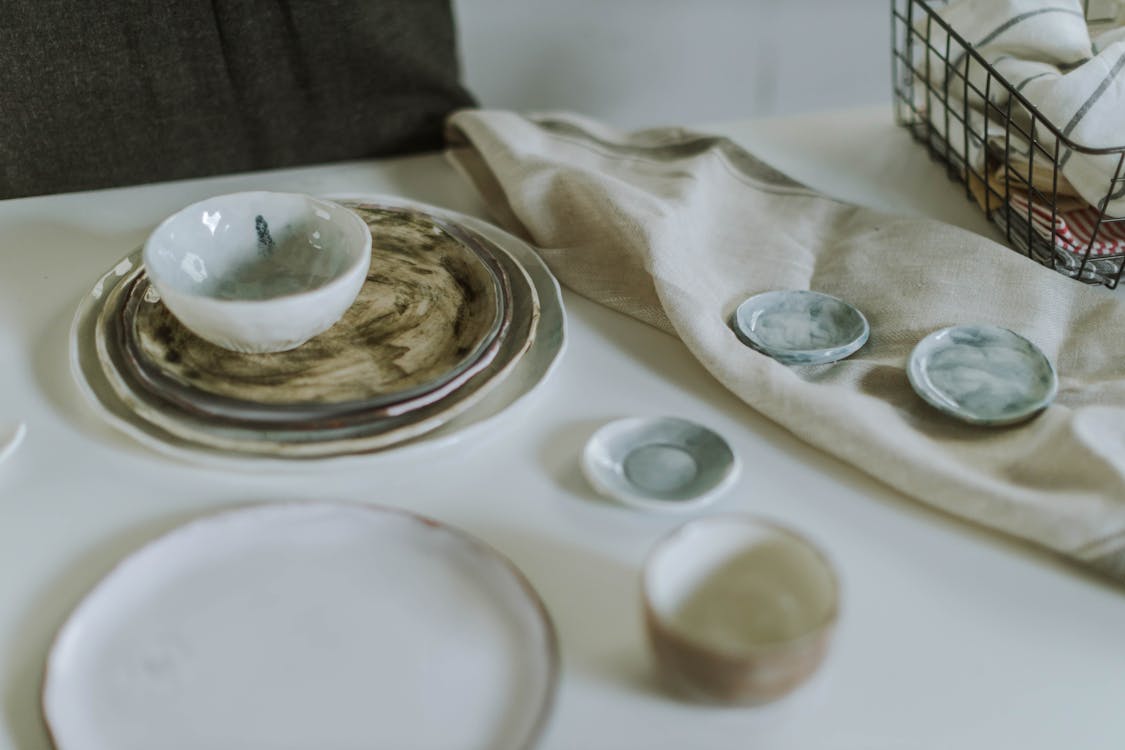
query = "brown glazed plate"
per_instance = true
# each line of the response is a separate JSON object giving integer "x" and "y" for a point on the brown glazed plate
{"x": 432, "y": 314}
{"x": 468, "y": 414}
{"x": 355, "y": 432}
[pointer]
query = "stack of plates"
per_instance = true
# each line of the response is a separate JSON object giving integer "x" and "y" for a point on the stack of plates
{"x": 457, "y": 322}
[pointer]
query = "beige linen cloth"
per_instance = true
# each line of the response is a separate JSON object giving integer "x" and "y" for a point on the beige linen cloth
{"x": 676, "y": 229}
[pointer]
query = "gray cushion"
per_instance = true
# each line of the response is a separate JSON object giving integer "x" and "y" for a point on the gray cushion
{"x": 128, "y": 91}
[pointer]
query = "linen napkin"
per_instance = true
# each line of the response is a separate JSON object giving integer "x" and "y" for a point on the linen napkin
{"x": 1045, "y": 50}
{"x": 1072, "y": 230}
{"x": 1062, "y": 236}
{"x": 676, "y": 229}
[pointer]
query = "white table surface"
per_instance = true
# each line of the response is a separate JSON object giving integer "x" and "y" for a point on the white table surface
{"x": 950, "y": 636}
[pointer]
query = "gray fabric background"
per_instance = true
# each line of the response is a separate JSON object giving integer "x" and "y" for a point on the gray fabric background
{"x": 95, "y": 94}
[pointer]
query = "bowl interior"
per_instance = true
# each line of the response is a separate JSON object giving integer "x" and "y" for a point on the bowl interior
{"x": 255, "y": 246}
{"x": 800, "y": 320}
{"x": 737, "y": 585}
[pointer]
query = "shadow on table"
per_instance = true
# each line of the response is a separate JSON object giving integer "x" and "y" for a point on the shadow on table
{"x": 69, "y": 254}
{"x": 560, "y": 456}
{"x": 594, "y": 603}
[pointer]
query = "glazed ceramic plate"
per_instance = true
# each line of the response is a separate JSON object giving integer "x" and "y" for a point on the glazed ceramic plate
{"x": 353, "y": 432}
{"x": 801, "y": 327}
{"x": 529, "y": 374}
{"x": 982, "y": 374}
{"x": 244, "y": 426}
{"x": 662, "y": 463}
{"x": 430, "y": 315}
{"x": 305, "y": 626}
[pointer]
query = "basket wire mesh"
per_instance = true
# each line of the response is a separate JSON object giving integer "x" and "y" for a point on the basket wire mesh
{"x": 936, "y": 74}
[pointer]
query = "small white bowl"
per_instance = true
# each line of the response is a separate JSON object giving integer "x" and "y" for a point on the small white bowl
{"x": 661, "y": 464}
{"x": 259, "y": 271}
{"x": 738, "y": 609}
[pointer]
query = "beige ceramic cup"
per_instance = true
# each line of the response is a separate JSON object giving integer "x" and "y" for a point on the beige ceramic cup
{"x": 738, "y": 609}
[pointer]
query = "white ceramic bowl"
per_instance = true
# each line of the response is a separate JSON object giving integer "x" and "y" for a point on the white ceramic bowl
{"x": 259, "y": 271}
{"x": 738, "y": 609}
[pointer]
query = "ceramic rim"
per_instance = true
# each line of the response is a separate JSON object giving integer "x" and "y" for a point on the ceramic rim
{"x": 12, "y": 443}
{"x": 338, "y": 280}
{"x": 532, "y": 597}
{"x": 819, "y": 356}
{"x": 917, "y": 375}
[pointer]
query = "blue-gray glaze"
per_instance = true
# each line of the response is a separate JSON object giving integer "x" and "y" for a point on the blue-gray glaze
{"x": 800, "y": 327}
{"x": 657, "y": 461}
{"x": 661, "y": 469}
{"x": 982, "y": 374}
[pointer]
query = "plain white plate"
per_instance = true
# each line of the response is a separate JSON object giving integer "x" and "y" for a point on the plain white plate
{"x": 311, "y": 625}
{"x": 532, "y": 371}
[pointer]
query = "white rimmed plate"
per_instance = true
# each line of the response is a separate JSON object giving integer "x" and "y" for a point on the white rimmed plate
{"x": 532, "y": 371}
{"x": 311, "y": 625}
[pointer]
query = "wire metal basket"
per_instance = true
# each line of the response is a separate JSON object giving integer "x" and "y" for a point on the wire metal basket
{"x": 1006, "y": 153}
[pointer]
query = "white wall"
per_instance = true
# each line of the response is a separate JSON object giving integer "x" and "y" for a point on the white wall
{"x": 650, "y": 62}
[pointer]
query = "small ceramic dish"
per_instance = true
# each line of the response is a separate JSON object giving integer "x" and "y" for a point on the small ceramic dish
{"x": 433, "y": 314}
{"x": 663, "y": 463}
{"x": 10, "y": 438}
{"x": 306, "y": 625}
{"x": 737, "y": 609}
{"x": 800, "y": 327}
{"x": 259, "y": 271}
{"x": 982, "y": 374}
{"x": 508, "y": 393}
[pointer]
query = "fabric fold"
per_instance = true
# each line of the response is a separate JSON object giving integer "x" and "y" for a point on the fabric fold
{"x": 676, "y": 228}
